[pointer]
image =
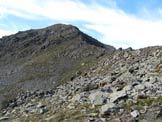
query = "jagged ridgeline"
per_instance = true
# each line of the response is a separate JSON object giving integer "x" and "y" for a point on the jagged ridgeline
{"x": 45, "y": 58}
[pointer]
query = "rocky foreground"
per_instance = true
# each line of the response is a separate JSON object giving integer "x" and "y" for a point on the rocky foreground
{"x": 123, "y": 86}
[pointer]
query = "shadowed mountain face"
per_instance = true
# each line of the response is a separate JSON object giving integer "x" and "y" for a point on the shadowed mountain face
{"x": 45, "y": 58}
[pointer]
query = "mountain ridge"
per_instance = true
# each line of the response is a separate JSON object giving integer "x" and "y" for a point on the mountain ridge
{"x": 31, "y": 58}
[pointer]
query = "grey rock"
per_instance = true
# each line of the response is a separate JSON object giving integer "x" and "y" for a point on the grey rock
{"x": 40, "y": 105}
{"x": 115, "y": 96}
{"x": 135, "y": 113}
{"x": 43, "y": 110}
{"x": 28, "y": 105}
{"x": 92, "y": 114}
{"x": 3, "y": 118}
{"x": 108, "y": 108}
{"x": 140, "y": 87}
{"x": 90, "y": 87}
{"x": 107, "y": 89}
{"x": 76, "y": 98}
{"x": 98, "y": 98}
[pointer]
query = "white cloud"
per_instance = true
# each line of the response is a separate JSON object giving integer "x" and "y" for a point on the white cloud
{"x": 5, "y": 33}
{"x": 112, "y": 23}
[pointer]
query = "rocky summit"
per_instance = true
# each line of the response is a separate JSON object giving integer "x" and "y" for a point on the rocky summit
{"x": 60, "y": 74}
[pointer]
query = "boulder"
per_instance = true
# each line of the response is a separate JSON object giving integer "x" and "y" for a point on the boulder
{"x": 117, "y": 95}
{"x": 76, "y": 98}
{"x": 90, "y": 87}
{"x": 98, "y": 98}
{"x": 107, "y": 109}
{"x": 140, "y": 87}
{"x": 3, "y": 119}
{"x": 43, "y": 110}
{"x": 40, "y": 105}
{"x": 135, "y": 113}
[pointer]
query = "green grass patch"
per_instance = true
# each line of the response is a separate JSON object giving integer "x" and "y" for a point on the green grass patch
{"x": 148, "y": 101}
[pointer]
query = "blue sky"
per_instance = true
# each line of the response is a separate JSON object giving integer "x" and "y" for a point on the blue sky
{"x": 121, "y": 23}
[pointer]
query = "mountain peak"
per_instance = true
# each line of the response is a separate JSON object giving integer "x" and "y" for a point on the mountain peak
{"x": 62, "y": 26}
{"x": 61, "y": 30}
{"x": 66, "y": 31}
{"x": 44, "y": 58}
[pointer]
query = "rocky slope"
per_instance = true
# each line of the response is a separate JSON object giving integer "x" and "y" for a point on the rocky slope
{"x": 114, "y": 86}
